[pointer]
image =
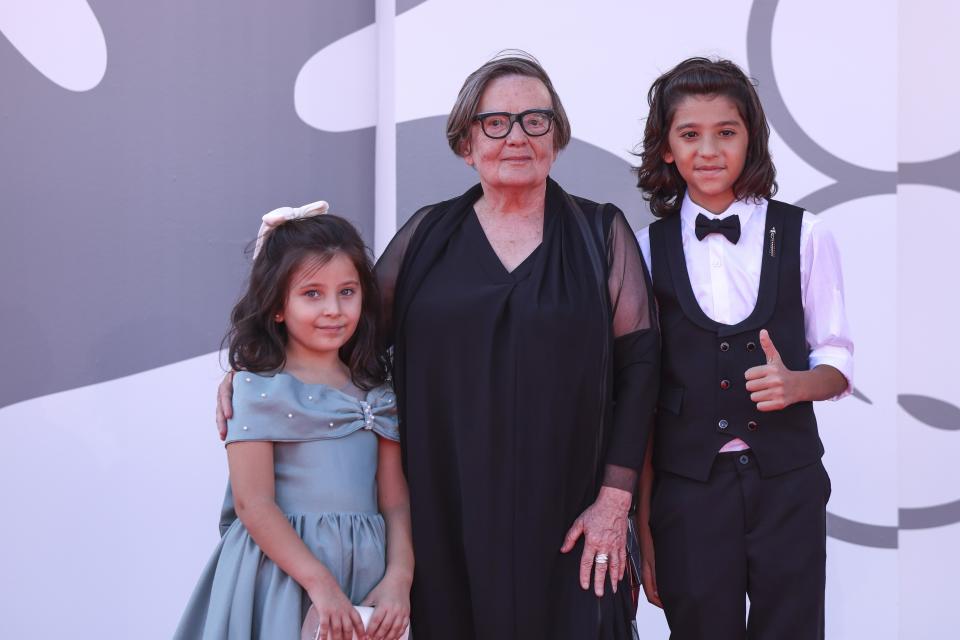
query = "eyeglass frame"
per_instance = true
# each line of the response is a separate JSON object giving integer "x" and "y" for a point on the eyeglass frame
{"x": 514, "y": 119}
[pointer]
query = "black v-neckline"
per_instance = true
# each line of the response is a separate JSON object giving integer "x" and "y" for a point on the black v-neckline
{"x": 491, "y": 261}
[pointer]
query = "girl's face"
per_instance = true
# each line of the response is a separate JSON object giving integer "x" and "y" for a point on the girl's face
{"x": 708, "y": 142}
{"x": 322, "y": 306}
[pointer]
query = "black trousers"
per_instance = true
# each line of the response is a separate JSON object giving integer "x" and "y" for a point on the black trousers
{"x": 740, "y": 535}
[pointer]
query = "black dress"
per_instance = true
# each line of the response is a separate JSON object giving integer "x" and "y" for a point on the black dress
{"x": 506, "y": 384}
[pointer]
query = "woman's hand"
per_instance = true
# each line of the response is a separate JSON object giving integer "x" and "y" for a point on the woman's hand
{"x": 224, "y": 403}
{"x": 334, "y": 615}
{"x": 604, "y": 528}
{"x": 390, "y": 600}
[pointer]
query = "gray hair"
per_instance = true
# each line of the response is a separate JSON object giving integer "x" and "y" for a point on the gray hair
{"x": 512, "y": 62}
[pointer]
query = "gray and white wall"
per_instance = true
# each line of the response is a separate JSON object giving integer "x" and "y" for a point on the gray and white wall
{"x": 140, "y": 143}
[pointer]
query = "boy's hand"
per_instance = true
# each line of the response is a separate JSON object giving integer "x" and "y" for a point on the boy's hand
{"x": 772, "y": 386}
{"x": 648, "y": 567}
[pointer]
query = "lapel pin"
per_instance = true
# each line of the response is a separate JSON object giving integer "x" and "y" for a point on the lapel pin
{"x": 773, "y": 242}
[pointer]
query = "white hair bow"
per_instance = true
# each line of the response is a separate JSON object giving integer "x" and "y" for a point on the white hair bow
{"x": 277, "y": 217}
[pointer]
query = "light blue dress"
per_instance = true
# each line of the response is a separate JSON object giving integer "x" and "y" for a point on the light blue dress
{"x": 325, "y": 463}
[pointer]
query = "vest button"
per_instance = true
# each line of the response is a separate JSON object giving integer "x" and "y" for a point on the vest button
{"x": 724, "y": 346}
{"x": 723, "y": 424}
{"x": 744, "y": 459}
{"x": 752, "y": 426}
{"x": 724, "y": 384}
{"x": 751, "y": 346}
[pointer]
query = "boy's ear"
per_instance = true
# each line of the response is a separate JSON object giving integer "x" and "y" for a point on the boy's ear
{"x": 668, "y": 156}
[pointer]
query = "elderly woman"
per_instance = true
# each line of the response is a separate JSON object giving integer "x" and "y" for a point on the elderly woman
{"x": 525, "y": 358}
{"x": 525, "y": 364}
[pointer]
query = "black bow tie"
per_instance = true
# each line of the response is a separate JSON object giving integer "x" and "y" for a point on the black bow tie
{"x": 729, "y": 227}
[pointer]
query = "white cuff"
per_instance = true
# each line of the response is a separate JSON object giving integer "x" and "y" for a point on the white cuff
{"x": 840, "y": 359}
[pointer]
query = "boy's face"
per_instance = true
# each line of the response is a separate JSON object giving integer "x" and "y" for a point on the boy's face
{"x": 708, "y": 142}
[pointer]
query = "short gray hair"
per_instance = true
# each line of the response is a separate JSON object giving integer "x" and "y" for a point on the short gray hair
{"x": 506, "y": 63}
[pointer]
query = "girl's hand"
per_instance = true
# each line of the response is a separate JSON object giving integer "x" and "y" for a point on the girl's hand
{"x": 391, "y": 614}
{"x": 336, "y": 617}
{"x": 224, "y": 403}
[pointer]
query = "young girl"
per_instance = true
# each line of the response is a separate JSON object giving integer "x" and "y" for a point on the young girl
{"x": 312, "y": 450}
{"x": 753, "y": 330}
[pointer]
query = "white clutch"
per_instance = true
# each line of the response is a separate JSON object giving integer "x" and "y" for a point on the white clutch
{"x": 311, "y": 624}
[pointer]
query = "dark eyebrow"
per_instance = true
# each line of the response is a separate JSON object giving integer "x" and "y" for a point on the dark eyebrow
{"x": 725, "y": 123}
{"x": 318, "y": 285}
{"x": 483, "y": 114}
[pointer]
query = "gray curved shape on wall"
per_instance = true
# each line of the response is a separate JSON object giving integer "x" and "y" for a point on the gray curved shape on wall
{"x": 931, "y": 411}
{"x": 852, "y": 182}
{"x": 941, "y": 172}
{"x": 127, "y": 208}
{"x": 862, "y": 533}
{"x": 406, "y": 5}
{"x": 940, "y": 515}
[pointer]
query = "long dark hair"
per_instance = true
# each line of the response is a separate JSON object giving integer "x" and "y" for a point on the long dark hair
{"x": 257, "y": 343}
{"x": 660, "y": 181}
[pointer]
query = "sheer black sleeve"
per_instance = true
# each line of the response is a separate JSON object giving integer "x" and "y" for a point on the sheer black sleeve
{"x": 636, "y": 356}
{"x": 388, "y": 269}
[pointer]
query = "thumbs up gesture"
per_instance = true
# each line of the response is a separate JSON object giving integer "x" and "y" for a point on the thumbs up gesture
{"x": 772, "y": 386}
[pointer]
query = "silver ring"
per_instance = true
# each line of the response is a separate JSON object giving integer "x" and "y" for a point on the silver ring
{"x": 601, "y": 558}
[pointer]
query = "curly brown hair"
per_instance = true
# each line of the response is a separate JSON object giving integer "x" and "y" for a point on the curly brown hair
{"x": 660, "y": 181}
{"x": 257, "y": 343}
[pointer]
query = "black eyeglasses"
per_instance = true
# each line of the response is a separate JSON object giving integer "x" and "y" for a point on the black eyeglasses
{"x": 498, "y": 124}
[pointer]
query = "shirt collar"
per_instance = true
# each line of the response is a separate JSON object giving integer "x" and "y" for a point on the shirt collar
{"x": 743, "y": 208}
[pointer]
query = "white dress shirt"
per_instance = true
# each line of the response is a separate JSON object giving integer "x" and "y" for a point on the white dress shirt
{"x": 726, "y": 280}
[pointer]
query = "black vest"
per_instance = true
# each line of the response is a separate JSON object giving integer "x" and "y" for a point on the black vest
{"x": 703, "y": 400}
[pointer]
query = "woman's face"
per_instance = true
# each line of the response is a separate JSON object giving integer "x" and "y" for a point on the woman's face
{"x": 517, "y": 161}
